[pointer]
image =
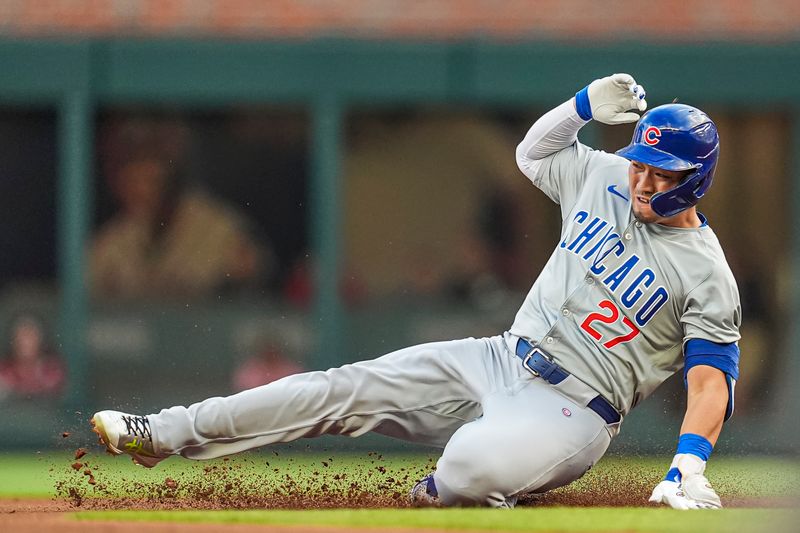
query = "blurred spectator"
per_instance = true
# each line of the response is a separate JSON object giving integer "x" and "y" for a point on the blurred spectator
{"x": 30, "y": 369}
{"x": 270, "y": 364}
{"x": 168, "y": 239}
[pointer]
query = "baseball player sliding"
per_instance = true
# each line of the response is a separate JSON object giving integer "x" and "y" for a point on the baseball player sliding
{"x": 637, "y": 289}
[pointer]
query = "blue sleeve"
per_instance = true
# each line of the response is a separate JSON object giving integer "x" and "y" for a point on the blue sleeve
{"x": 723, "y": 357}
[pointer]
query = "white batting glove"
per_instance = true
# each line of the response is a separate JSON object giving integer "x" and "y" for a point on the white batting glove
{"x": 693, "y": 491}
{"x": 611, "y": 99}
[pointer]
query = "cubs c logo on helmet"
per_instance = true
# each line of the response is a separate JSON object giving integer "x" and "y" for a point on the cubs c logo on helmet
{"x": 651, "y": 135}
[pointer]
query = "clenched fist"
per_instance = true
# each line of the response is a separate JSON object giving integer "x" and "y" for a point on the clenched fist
{"x": 611, "y": 99}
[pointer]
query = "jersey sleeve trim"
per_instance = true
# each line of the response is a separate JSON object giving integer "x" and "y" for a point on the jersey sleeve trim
{"x": 724, "y": 357}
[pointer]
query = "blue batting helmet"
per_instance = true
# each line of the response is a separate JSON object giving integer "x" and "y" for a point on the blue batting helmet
{"x": 676, "y": 137}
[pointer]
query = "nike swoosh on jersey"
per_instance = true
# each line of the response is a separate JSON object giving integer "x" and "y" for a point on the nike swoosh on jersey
{"x": 613, "y": 190}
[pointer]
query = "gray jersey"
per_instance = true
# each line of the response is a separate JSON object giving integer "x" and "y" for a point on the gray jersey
{"x": 618, "y": 298}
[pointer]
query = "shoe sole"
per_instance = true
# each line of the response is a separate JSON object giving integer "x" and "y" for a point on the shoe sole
{"x": 102, "y": 436}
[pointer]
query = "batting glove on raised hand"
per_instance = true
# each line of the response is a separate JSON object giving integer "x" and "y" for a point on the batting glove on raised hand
{"x": 610, "y": 100}
{"x": 690, "y": 489}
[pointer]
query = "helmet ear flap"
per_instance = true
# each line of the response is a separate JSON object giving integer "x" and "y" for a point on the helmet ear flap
{"x": 687, "y": 194}
{"x": 705, "y": 183}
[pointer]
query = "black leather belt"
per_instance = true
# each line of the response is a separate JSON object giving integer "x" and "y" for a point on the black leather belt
{"x": 539, "y": 364}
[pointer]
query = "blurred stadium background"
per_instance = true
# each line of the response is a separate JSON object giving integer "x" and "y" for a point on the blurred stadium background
{"x": 201, "y": 195}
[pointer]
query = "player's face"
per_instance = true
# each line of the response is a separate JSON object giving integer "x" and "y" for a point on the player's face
{"x": 645, "y": 181}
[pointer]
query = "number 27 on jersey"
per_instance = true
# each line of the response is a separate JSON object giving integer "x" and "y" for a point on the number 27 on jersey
{"x": 611, "y": 316}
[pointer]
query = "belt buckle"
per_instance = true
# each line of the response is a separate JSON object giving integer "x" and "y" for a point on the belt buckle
{"x": 529, "y": 355}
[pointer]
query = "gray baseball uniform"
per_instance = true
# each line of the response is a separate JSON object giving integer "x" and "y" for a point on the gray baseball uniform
{"x": 612, "y": 307}
{"x": 618, "y": 298}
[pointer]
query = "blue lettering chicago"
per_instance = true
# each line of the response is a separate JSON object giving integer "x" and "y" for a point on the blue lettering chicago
{"x": 631, "y": 281}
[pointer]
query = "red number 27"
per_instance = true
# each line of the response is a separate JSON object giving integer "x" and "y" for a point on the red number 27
{"x": 609, "y": 319}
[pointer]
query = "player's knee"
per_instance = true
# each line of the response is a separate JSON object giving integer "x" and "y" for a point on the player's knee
{"x": 210, "y": 420}
{"x": 472, "y": 481}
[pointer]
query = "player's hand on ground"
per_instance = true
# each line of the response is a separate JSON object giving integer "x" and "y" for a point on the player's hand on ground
{"x": 697, "y": 488}
{"x": 689, "y": 489}
{"x": 675, "y": 495}
{"x": 612, "y": 98}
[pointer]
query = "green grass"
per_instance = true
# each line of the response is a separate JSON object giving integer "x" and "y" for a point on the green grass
{"x": 528, "y": 519}
{"x": 28, "y": 475}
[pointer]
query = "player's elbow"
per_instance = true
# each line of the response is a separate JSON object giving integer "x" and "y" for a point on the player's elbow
{"x": 526, "y": 164}
{"x": 705, "y": 380}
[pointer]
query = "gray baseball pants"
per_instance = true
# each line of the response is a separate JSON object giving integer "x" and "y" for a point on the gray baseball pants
{"x": 504, "y": 431}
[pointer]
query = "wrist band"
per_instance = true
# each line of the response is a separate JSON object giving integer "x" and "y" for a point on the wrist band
{"x": 673, "y": 475}
{"x": 582, "y": 105}
{"x": 689, "y": 443}
{"x": 696, "y": 445}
